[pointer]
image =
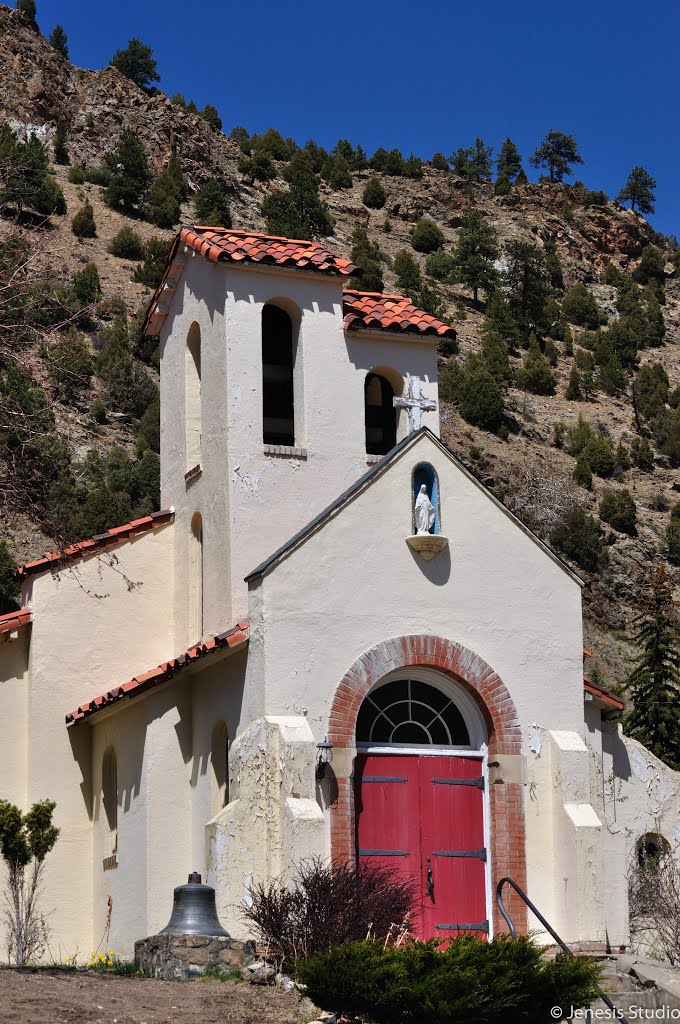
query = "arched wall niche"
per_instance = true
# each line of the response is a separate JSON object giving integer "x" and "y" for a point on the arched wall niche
{"x": 192, "y": 397}
{"x": 426, "y": 474}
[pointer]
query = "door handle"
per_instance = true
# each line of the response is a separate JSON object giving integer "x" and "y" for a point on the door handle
{"x": 430, "y": 881}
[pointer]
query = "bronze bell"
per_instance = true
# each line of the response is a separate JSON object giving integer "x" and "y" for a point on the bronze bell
{"x": 193, "y": 910}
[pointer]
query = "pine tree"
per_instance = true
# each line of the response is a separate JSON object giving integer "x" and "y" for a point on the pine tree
{"x": 528, "y": 287}
{"x": 130, "y": 174}
{"x": 367, "y": 256}
{"x": 475, "y": 253}
{"x": 654, "y": 683}
{"x": 28, "y": 8}
{"x": 573, "y": 391}
{"x": 508, "y": 162}
{"x": 137, "y": 63}
{"x": 638, "y": 191}
{"x": 407, "y": 271}
{"x": 299, "y": 212}
{"x": 374, "y": 195}
{"x": 536, "y": 375}
{"x": 26, "y": 182}
{"x": 60, "y": 151}
{"x": 473, "y": 163}
{"x": 166, "y": 194}
{"x": 209, "y": 114}
{"x": 557, "y": 153}
{"x": 211, "y": 204}
{"x": 83, "y": 223}
{"x": 59, "y": 40}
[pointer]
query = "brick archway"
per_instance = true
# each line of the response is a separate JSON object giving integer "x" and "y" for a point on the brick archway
{"x": 506, "y": 799}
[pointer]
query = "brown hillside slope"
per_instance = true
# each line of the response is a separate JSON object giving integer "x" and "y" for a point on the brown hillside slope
{"x": 39, "y": 87}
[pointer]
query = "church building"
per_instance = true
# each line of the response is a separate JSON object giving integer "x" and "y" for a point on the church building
{"x": 332, "y": 642}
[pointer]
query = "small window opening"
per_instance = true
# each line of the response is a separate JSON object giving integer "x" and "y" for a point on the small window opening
{"x": 651, "y": 850}
{"x": 278, "y": 405}
{"x": 380, "y": 415}
{"x": 412, "y": 712}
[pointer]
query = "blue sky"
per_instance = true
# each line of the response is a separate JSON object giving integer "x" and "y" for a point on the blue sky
{"x": 421, "y": 76}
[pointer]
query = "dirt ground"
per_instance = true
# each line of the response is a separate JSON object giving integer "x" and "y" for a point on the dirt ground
{"x": 46, "y": 997}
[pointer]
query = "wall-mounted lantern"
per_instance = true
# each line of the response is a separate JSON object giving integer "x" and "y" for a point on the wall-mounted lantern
{"x": 323, "y": 758}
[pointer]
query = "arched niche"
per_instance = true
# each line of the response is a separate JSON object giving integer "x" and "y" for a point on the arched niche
{"x": 192, "y": 397}
{"x": 426, "y": 474}
{"x": 282, "y": 374}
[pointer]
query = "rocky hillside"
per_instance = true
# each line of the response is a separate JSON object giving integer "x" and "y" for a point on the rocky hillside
{"x": 40, "y": 88}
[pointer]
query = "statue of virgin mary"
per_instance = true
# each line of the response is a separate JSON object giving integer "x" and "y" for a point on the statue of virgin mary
{"x": 425, "y": 514}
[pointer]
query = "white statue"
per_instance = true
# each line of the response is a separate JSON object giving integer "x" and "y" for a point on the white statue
{"x": 425, "y": 513}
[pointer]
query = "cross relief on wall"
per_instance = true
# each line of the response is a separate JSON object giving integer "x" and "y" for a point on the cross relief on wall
{"x": 415, "y": 403}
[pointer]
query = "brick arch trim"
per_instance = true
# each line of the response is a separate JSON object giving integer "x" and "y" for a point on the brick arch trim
{"x": 506, "y": 800}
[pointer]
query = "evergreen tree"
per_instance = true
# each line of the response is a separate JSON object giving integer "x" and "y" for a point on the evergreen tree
{"x": 240, "y": 136}
{"x": 60, "y": 151}
{"x": 26, "y": 183}
{"x": 500, "y": 319}
{"x": 407, "y": 271}
{"x": 28, "y": 8}
{"x": 650, "y": 269}
{"x": 639, "y": 191}
{"x": 536, "y": 375}
{"x": 580, "y": 307}
{"x": 59, "y": 40}
{"x": 577, "y": 535}
{"x": 478, "y": 396}
{"x": 426, "y": 236}
{"x": 573, "y": 391}
{"x": 439, "y": 162}
{"x": 166, "y": 194}
{"x": 130, "y": 174}
{"x": 413, "y": 167}
{"x": 258, "y": 167}
{"x": 299, "y": 212}
{"x": 654, "y": 683}
{"x": 528, "y": 287}
{"x": 475, "y": 253}
{"x": 83, "y": 223}
{"x": 473, "y": 163}
{"x": 335, "y": 171}
{"x": 367, "y": 256}
{"x": 618, "y": 509}
{"x": 209, "y": 114}
{"x": 137, "y": 63}
{"x": 508, "y": 162}
{"x": 374, "y": 195}
{"x": 211, "y": 204}
{"x": 557, "y": 153}
{"x": 10, "y": 591}
{"x": 495, "y": 356}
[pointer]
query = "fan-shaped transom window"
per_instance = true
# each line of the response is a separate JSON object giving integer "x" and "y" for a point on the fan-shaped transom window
{"x": 408, "y": 711}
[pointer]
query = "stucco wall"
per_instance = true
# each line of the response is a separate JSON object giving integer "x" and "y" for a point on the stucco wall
{"x": 239, "y": 490}
{"x": 96, "y": 623}
{"x": 14, "y": 712}
{"x": 355, "y": 583}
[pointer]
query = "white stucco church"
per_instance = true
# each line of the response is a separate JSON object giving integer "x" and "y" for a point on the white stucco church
{"x": 294, "y": 660}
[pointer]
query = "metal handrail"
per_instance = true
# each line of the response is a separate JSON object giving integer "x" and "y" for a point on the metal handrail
{"x": 563, "y": 946}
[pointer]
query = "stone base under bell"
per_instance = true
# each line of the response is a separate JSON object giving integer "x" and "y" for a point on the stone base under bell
{"x": 179, "y": 957}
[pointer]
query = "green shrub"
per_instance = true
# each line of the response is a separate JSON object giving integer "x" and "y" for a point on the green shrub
{"x": 478, "y": 396}
{"x": 618, "y": 509}
{"x": 407, "y": 271}
{"x": 471, "y": 980}
{"x": 86, "y": 285}
{"x": 579, "y": 307}
{"x": 335, "y": 171}
{"x": 374, "y": 195}
{"x": 583, "y": 475}
{"x": 367, "y": 256}
{"x": 130, "y": 388}
{"x": 641, "y": 453}
{"x": 83, "y": 224}
{"x": 650, "y": 267}
{"x": 10, "y": 591}
{"x": 650, "y": 390}
{"x": 211, "y": 204}
{"x": 151, "y": 270}
{"x": 70, "y": 364}
{"x": 258, "y": 167}
{"x": 210, "y": 114}
{"x": 427, "y": 236}
{"x": 440, "y": 265}
{"x": 127, "y": 244}
{"x": 98, "y": 411}
{"x": 76, "y": 175}
{"x": 439, "y": 162}
{"x": 577, "y": 535}
{"x": 60, "y": 150}
{"x": 536, "y": 375}
{"x": 98, "y": 175}
{"x": 130, "y": 174}
{"x": 573, "y": 389}
{"x": 502, "y": 187}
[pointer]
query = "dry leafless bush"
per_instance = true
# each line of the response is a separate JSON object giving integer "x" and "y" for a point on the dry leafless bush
{"x": 541, "y": 498}
{"x": 654, "y": 902}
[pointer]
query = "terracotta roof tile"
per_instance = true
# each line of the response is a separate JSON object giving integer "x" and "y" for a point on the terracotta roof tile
{"x": 135, "y": 687}
{"x": 13, "y": 620}
{"x": 102, "y": 540}
{"x": 602, "y": 694}
{"x": 374, "y": 311}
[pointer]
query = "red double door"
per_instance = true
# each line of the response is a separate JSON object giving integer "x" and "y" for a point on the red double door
{"x": 423, "y": 817}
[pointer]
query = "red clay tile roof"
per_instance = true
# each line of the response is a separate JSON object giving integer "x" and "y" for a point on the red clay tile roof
{"x": 232, "y": 246}
{"x": 374, "y": 311}
{"x": 604, "y": 695}
{"x": 138, "y": 685}
{"x": 102, "y": 540}
{"x": 12, "y": 621}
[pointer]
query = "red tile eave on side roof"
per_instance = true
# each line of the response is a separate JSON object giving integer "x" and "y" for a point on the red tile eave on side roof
{"x": 135, "y": 687}
{"x": 604, "y": 695}
{"x": 13, "y": 620}
{"x": 397, "y": 313}
{"x": 102, "y": 540}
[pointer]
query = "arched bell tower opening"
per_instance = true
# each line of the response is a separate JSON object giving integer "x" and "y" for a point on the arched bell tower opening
{"x": 282, "y": 401}
{"x": 380, "y": 414}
